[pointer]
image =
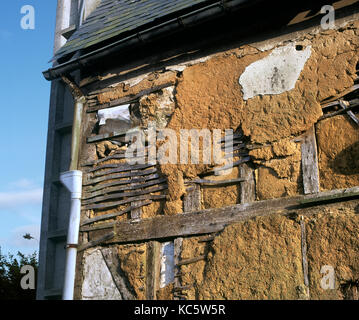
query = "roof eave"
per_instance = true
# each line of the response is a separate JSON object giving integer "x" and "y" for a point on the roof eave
{"x": 191, "y": 19}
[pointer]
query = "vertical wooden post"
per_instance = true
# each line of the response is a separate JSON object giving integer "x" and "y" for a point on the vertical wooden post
{"x": 304, "y": 257}
{"x": 247, "y": 187}
{"x": 152, "y": 269}
{"x": 192, "y": 200}
{"x": 310, "y": 162}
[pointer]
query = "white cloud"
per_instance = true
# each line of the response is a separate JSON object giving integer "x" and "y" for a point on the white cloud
{"x": 23, "y": 184}
{"x": 16, "y": 198}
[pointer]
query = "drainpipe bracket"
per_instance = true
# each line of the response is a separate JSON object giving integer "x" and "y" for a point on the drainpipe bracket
{"x": 71, "y": 245}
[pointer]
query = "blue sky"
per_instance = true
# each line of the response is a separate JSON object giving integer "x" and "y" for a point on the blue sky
{"x": 24, "y": 104}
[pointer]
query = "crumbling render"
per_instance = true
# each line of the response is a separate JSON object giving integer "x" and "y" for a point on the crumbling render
{"x": 270, "y": 99}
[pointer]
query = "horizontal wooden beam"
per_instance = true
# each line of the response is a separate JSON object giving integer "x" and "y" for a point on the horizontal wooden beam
{"x": 95, "y": 242}
{"x": 214, "y": 220}
{"x": 191, "y": 260}
{"x": 130, "y": 98}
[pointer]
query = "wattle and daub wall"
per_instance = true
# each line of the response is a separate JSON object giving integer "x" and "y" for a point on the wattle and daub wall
{"x": 271, "y": 94}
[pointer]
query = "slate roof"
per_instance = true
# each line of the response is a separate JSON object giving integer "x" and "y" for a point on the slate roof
{"x": 113, "y": 18}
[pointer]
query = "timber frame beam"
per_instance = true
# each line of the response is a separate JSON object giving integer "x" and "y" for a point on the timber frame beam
{"x": 215, "y": 220}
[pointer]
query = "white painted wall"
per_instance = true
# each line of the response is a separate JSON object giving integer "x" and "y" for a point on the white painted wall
{"x": 90, "y": 5}
{"x": 63, "y": 14}
{"x": 98, "y": 283}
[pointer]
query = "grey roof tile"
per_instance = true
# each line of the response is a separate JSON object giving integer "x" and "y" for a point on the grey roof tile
{"x": 115, "y": 17}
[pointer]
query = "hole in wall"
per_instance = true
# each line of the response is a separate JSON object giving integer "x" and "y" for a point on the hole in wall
{"x": 299, "y": 47}
{"x": 350, "y": 290}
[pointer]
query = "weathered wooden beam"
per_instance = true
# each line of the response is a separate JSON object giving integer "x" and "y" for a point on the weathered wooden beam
{"x": 353, "y": 104}
{"x": 124, "y": 194}
{"x": 310, "y": 162}
{"x": 123, "y": 168}
{"x": 121, "y": 182}
{"x": 207, "y": 239}
{"x": 96, "y": 242}
{"x": 350, "y": 113}
{"x": 182, "y": 288}
{"x": 191, "y": 260}
{"x": 248, "y": 186}
{"x": 192, "y": 199}
{"x": 332, "y": 195}
{"x": 128, "y": 200}
{"x": 104, "y": 166}
{"x": 304, "y": 252}
{"x": 328, "y": 102}
{"x": 214, "y": 220}
{"x": 129, "y": 186}
{"x": 239, "y": 147}
{"x": 119, "y": 176}
{"x": 97, "y": 227}
{"x": 215, "y": 182}
{"x": 152, "y": 269}
{"x": 192, "y": 202}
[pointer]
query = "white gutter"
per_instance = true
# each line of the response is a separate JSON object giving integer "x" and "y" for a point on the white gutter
{"x": 72, "y": 180}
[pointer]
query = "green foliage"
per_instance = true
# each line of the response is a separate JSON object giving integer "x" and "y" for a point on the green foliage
{"x": 10, "y": 276}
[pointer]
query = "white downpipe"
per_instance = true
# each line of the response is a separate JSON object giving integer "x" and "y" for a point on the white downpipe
{"x": 72, "y": 180}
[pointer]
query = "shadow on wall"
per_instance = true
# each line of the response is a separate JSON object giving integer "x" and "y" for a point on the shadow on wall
{"x": 347, "y": 161}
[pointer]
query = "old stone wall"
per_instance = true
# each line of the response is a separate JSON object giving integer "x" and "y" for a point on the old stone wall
{"x": 270, "y": 96}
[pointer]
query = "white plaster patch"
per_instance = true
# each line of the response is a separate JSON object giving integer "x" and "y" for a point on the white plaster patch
{"x": 118, "y": 113}
{"x": 179, "y": 68}
{"x": 98, "y": 283}
{"x": 274, "y": 74}
{"x": 167, "y": 264}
